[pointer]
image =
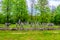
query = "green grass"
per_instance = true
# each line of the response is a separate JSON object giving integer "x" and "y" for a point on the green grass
{"x": 30, "y": 35}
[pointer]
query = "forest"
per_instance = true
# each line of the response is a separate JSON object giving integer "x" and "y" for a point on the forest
{"x": 14, "y": 10}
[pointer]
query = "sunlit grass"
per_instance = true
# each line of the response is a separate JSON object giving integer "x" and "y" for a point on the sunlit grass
{"x": 30, "y": 35}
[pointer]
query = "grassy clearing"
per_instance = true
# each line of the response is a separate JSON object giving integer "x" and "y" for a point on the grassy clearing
{"x": 30, "y": 35}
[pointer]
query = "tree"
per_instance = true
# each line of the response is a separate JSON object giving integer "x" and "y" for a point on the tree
{"x": 41, "y": 5}
{"x": 15, "y": 10}
{"x": 44, "y": 10}
{"x": 6, "y": 9}
{"x": 20, "y": 10}
{"x": 57, "y": 15}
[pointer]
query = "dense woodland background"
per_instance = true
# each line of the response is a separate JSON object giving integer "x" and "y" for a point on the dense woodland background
{"x": 14, "y": 10}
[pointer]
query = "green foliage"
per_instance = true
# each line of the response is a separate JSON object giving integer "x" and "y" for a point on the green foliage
{"x": 45, "y": 13}
{"x": 57, "y": 15}
{"x": 13, "y": 10}
{"x": 21, "y": 11}
{"x": 6, "y": 9}
{"x": 41, "y": 5}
